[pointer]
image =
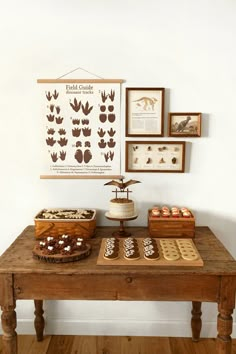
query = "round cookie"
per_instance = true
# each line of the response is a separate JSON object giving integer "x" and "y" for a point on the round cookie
{"x": 189, "y": 255}
{"x": 171, "y": 256}
{"x": 187, "y": 250}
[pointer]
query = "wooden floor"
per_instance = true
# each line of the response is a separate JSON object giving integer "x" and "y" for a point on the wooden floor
{"x": 114, "y": 345}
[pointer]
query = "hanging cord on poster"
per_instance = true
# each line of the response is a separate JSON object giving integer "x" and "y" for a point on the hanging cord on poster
{"x": 79, "y": 68}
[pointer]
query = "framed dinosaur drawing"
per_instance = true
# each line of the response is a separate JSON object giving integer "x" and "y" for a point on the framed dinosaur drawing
{"x": 184, "y": 124}
{"x": 145, "y": 112}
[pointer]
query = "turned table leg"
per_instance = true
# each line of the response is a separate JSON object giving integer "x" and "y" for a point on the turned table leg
{"x": 196, "y": 322}
{"x": 39, "y": 320}
{"x": 9, "y": 338}
{"x": 224, "y": 328}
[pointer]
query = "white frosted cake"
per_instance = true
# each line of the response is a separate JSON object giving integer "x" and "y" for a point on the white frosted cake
{"x": 121, "y": 208}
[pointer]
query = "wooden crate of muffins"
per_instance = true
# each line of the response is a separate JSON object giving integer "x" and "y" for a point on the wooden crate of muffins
{"x": 171, "y": 222}
{"x": 56, "y": 222}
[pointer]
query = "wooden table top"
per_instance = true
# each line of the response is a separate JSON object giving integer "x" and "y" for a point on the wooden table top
{"x": 18, "y": 259}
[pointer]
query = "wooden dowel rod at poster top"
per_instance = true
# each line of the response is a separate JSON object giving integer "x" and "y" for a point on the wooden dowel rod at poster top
{"x": 81, "y": 81}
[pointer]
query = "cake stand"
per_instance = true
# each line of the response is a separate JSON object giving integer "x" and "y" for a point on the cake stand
{"x": 121, "y": 232}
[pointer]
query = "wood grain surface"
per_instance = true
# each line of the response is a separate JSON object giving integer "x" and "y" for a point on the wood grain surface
{"x": 23, "y": 277}
{"x": 115, "y": 345}
{"x": 18, "y": 258}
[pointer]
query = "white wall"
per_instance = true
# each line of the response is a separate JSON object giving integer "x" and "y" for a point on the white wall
{"x": 186, "y": 46}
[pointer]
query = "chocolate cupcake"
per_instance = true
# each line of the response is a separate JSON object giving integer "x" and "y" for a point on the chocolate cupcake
{"x": 111, "y": 254}
{"x": 152, "y": 254}
{"x": 132, "y": 254}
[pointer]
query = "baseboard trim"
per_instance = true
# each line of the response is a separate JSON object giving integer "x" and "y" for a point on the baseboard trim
{"x": 119, "y": 328}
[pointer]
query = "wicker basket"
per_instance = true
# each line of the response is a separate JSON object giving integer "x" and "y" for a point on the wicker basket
{"x": 57, "y": 227}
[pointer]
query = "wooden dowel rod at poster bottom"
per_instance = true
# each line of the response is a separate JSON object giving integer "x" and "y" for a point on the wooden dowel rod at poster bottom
{"x": 81, "y": 177}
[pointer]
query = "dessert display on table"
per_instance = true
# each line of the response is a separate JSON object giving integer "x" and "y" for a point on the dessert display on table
{"x": 61, "y": 249}
{"x": 148, "y": 251}
{"x": 56, "y": 221}
{"x": 121, "y": 208}
{"x": 171, "y": 222}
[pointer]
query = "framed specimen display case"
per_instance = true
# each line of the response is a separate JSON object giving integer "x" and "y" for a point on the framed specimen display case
{"x": 144, "y": 111}
{"x": 155, "y": 156}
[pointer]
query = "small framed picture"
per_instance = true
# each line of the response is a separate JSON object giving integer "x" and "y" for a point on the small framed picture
{"x": 185, "y": 124}
{"x": 155, "y": 156}
{"x": 144, "y": 112}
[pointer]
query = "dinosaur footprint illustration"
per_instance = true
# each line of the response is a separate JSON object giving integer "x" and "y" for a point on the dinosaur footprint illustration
{"x": 76, "y": 132}
{"x": 102, "y": 144}
{"x": 62, "y": 155}
{"x": 51, "y": 107}
{"x": 87, "y": 155}
{"x": 111, "y": 117}
{"x": 111, "y": 132}
{"x": 61, "y": 132}
{"x": 76, "y": 105}
{"x": 104, "y": 96}
{"x": 54, "y": 157}
{"x": 79, "y": 155}
{"x": 109, "y": 155}
{"x": 112, "y": 95}
{"x": 62, "y": 141}
{"x": 55, "y": 94}
{"x": 50, "y": 117}
{"x": 49, "y": 96}
{"x": 50, "y": 141}
{"x": 58, "y": 109}
{"x": 111, "y": 143}
{"x": 86, "y": 131}
{"x": 76, "y": 121}
{"x": 59, "y": 120}
{"x": 101, "y": 132}
{"x": 102, "y": 117}
{"x": 51, "y": 131}
{"x": 86, "y": 109}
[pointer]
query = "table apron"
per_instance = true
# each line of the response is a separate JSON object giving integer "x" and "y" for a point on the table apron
{"x": 117, "y": 287}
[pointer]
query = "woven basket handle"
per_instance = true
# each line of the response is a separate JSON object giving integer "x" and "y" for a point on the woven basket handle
{"x": 46, "y": 227}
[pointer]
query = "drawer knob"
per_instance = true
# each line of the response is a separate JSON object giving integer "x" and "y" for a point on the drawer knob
{"x": 129, "y": 280}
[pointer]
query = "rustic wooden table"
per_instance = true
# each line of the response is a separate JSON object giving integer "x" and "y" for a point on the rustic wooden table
{"x": 22, "y": 277}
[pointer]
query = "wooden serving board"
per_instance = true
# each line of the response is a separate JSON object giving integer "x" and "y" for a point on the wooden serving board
{"x": 143, "y": 261}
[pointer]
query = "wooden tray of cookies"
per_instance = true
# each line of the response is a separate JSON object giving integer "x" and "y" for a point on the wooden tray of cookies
{"x": 172, "y": 252}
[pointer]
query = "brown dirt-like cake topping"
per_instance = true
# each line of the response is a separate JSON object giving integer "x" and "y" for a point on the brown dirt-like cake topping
{"x": 121, "y": 200}
{"x": 71, "y": 214}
